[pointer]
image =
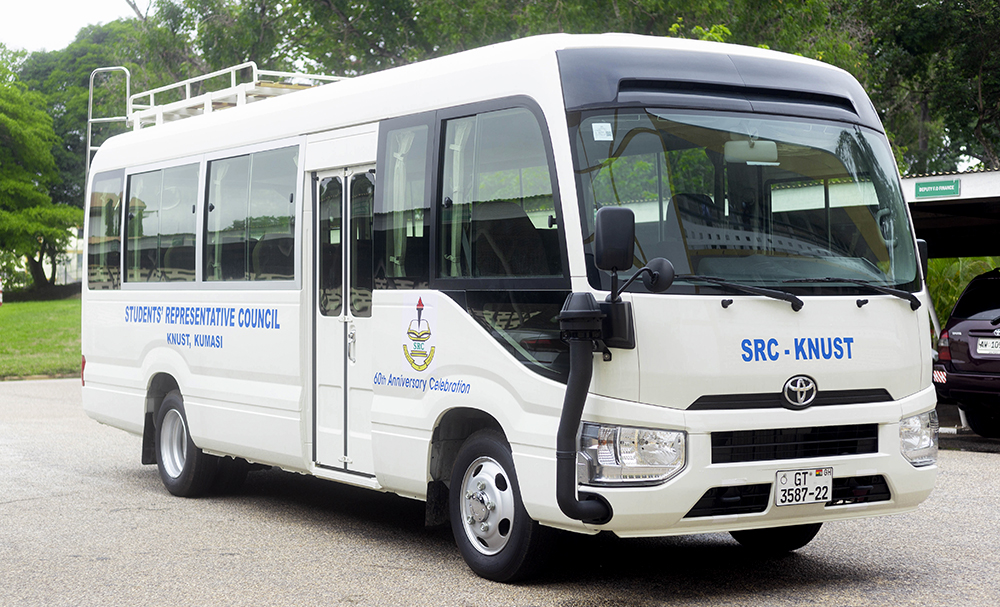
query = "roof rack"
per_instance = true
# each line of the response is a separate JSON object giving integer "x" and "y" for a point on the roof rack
{"x": 196, "y": 96}
{"x": 143, "y": 110}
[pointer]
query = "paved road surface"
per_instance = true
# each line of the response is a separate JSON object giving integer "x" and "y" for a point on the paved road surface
{"x": 83, "y": 523}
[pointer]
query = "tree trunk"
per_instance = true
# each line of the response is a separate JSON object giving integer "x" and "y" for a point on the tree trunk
{"x": 38, "y": 279}
{"x": 925, "y": 117}
{"x": 989, "y": 153}
{"x": 921, "y": 165}
{"x": 52, "y": 274}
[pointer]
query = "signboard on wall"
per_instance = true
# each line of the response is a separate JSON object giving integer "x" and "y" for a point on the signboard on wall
{"x": 938, "y": 189}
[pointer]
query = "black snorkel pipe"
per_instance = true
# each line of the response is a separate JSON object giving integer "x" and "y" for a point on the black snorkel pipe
{"x": 580, "y": 324}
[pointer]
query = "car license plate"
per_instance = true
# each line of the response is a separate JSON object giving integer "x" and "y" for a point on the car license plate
{"x": 988, "y": 345}
{"x": 811, "y": 486}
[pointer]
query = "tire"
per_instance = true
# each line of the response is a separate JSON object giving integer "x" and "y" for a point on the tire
{"x": 984, "y": 420}
{"x": 496, "y": 537}
{"x": 777, "y": 540}
{"x": 184, "y": 469}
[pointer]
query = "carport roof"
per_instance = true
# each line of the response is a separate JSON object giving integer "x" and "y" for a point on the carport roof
{"x": 958, "y": 214}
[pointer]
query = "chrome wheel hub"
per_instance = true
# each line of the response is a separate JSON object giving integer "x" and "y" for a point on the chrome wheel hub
{"x": 487, "y": 505}
{"x": 173, "y": 443}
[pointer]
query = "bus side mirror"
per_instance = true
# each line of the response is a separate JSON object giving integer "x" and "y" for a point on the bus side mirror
{"x": 614, "y": 238}
{"x": 659, "y": 275}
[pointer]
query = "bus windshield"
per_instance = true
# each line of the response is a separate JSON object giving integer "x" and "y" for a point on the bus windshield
{"x": 794, "y": 203}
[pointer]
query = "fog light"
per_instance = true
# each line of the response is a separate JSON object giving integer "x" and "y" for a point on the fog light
{"x": 918, "y": 438}
{"x": 619, "y": 455}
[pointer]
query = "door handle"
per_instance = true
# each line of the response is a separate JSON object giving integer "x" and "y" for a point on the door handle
{"x": 352, "y": 338}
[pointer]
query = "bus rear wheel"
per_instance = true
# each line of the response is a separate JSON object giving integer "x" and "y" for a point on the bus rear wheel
{"x": 496, "y": 537}
{"x": 185, "y": 470}
{"x": 778, "y": 540}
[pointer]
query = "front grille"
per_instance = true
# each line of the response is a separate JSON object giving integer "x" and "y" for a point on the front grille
{"x": 777, "y": 400}
{"x": 793, "y": 443}
{"x": 745, "y": 499}
{"x": 859, "y": 489}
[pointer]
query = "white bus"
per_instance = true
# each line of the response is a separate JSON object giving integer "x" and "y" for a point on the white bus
{"x": 594, "y": 283}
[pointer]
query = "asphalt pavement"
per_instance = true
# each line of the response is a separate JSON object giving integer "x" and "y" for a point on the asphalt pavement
{"x": 82, "y": 522}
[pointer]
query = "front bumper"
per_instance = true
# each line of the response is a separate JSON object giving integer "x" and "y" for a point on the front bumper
{"x": 875, "y": 483}
{"x": 690, "y": 503}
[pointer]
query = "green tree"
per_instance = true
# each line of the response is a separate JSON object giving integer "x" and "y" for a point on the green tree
{"x": 206, "y": 35}
{"x": 904, "y": 48}
{"x": 967, "y": 86}
{"x": 832, "y": 31}
{"x": 349, "y": 37}
{"x": 938, "y": 79}
{"x": 948, "y": 277}
{"x": 31, "y": 225}
{"x": 63, "y": 78}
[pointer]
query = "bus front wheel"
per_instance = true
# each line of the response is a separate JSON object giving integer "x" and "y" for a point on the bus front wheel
{"x": 184, "y": 469}
{"x": 496, "y": 537}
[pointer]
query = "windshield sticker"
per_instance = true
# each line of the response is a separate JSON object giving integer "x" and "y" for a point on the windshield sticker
{"x": 804, "y": 348}
{"x": 603, "y": 132}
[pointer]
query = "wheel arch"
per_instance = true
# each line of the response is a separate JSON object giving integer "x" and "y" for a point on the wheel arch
{"x": 451, "y": 430}
{"x": 159, "y": 386}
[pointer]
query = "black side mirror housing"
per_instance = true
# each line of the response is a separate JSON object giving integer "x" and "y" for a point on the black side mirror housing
{"x": 614, "y": 238}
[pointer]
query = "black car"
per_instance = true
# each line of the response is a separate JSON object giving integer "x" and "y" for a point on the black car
{"x": 968, "y": 367}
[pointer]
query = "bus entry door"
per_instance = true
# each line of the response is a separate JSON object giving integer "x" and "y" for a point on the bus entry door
{"x": 343, "y": 349}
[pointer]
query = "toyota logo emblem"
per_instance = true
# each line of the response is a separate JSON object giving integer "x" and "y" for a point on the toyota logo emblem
{"x": 800, "y": 392}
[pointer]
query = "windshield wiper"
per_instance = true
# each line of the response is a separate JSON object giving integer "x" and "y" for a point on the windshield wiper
{"x": 910, "y": 297}
{"x": 772, "y": 293}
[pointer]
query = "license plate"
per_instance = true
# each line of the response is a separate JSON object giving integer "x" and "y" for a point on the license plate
{"x": 988, "y": 345}
{"x": 810, "y": 486}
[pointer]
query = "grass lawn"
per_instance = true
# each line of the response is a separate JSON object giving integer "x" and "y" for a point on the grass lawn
{"x": 40, "y": 338}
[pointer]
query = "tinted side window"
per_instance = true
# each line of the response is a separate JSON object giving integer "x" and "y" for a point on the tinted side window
{"x": 331, "y": 199}
{"x": 161, "y": 225}
{"x": 360, "y": 201}
{"x": 402, "y": 211}
{"x": 526, "y": 324}
{"x": 226, "y": 219}
{"x": 104, "y": 238}
{"x": 496, "y": 207}
{"x": 250, "y": 216}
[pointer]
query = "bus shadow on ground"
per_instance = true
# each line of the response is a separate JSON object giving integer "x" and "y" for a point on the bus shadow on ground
{"x": 696, "y": 567}
{"x": 705, "y": 567}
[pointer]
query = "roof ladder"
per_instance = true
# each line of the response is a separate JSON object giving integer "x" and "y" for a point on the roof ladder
{"x": 91, "y": 121}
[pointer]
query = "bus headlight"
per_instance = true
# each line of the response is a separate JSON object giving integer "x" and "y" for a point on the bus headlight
{"x": 620, "y": 455}
{"x": 918, "y": 438}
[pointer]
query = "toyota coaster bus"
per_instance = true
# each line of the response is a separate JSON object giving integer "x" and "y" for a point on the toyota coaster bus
{"x": 596, "y": 283}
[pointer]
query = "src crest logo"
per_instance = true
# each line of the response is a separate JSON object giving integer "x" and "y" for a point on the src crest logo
{"x": 419, "y": 334}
